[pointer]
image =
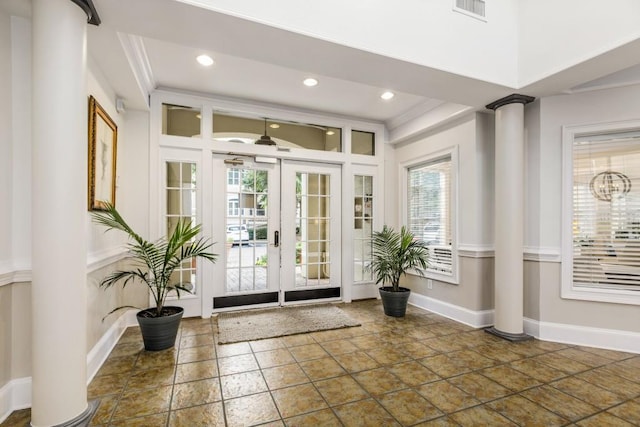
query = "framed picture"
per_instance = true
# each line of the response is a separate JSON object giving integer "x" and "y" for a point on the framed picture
{"x": 103, "y": 140}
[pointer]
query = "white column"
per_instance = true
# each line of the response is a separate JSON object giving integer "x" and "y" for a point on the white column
{"x": 509, "y": 217}
{"x": 59, "y": 213}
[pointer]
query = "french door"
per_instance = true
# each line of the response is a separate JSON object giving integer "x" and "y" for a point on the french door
{"x": 281, "y": 224}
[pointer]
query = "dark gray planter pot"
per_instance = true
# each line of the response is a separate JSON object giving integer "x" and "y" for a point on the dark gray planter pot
{"x": 394, "y": 303}
{"x": 159, "y": 333}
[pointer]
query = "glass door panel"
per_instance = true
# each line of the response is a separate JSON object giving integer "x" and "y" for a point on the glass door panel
{"x": 311, "y": 200}
{"x": 246, "y": 211}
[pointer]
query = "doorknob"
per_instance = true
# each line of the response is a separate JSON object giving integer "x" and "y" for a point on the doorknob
{"x": 276, "y": 238}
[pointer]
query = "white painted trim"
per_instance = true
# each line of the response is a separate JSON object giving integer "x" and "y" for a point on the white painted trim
{"x": 15, "y": 395}
{"x": 476, "y": 251}
{"x": 103, "y": 347}
{"x": 542, "y": 254}
{"x": 104, "y": 258}
{"x": 15, "y": 273}
{"x": 610, "y": 339}
{"x": 475, "y": 319}
{"x": 137, "y": 57}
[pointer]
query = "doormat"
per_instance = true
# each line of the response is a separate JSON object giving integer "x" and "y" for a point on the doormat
{"x": 278, "y": 322}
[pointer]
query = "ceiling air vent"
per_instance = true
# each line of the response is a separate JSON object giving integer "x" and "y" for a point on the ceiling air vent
{"x": 473, "y": 8}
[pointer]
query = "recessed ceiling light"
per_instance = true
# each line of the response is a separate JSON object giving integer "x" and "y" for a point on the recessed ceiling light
{"x": 387, "y": 95}
{"x": 274, "y": 126}
{"x": 330, "y": 132}
{"x": 310, "y": 82}
{"x": 205, "y": 60}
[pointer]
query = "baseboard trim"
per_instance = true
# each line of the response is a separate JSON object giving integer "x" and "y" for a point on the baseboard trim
{"x": 610, "y": 339}
{"x": 103, "y": 347}
{"x": 475, "y": 319}
{"x": 16, "y": 394}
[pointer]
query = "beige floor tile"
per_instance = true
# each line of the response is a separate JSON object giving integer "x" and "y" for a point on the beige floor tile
{"x": 196, "y": 340}
{"x": 624, "y": 370}
{"x": 605, "y": 379}
{"x": 356, "y": 362}
{"x": 560, "y": 403}
{"x": 481, "y": 387}
{"x": 196, "y": 371}
{"x": 151, "y": 378}
{"x": 445, "y": 366}
{"x": 439, "y": 422}
{"x": 408, "y": 407}
{"x": 127, "y": 349}
{"x": 271, "y": 358}
{"x": 447, "y": 397}
{"x": 268, "y": 344}
{"x": 237, "y": 364}
{"x": 588, "y": 392}
{"x": 364, "y": 413}
{"x": 628, "y": 411}
{"x": 203, "y": 415}
{"x": 250, "y": 410}
{"x": 146, "y": 421}
{"x": 196, "y": 354}
{"x": 538, "y": 370}
{"x": 378, "y": 381}
{"x": 297, "y": 340}
{"x": 235, "y": 349}
{"x": 196, "y": 393}
{"x": 609, "y": 354}
{"x": 107, "y": 384}
{"x": 324, "y": 418}
{"x": 103, "y": 413}
{"x": 443, "y": 344}
{"x": 604, "y": 419}
{"x": 472, "y": 359}
{"x": 284, "y": 376}
{"x": 498, "y": 351}
{"x": 561, "y": 363}
{"x": 588, "y": 358}
{"x": 242, "y": 384}
{"x": 140, "y": 403}
{"x": 339, "y": 347}
{"x": 297, "y": 400}
{"x": 387, "y": 356}
{"x": 156, "y": 359}
{"x": 413, "y": 373}
{"x": 367, "y": 342}
{"x": 416, "y": 350}
{"x": 320, "y": 369}
{"x": 481, "y": 416}
{"x": 340, "y": 390}
{"x": 118, "y": 365}
{"x": 510, "y": 378}
{"x": 308, "y": 352}
{"x": 526, "y": 413}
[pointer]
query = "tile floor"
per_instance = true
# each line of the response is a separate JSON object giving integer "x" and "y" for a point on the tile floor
{"x": 421, "y": 370}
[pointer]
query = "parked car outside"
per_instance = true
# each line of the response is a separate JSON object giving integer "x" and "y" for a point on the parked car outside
{"x": 238, "y": 233}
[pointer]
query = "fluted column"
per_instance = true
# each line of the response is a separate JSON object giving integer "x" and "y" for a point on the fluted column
{"x": 59, "y": 217}
{"x": 509, "y": 217}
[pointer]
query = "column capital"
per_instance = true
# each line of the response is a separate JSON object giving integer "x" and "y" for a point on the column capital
{"x": 90, "y": 10}
{"x": 511, "y": 99}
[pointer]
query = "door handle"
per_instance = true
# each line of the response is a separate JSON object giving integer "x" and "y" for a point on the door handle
{"x": 276, "y": 238}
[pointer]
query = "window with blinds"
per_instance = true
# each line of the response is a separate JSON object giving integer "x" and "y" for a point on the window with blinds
{"x": 606, "y": 211}
{"x": 429, "y": 210}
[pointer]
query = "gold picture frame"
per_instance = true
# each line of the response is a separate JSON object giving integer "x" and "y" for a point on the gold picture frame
{"x": 103, "y": 143}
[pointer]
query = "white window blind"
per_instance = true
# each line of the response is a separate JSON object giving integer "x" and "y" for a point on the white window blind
{"x": 606, "y": 211}
{"x": 429, "y": 210}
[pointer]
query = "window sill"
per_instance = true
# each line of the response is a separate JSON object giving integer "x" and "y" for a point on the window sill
{"x": 446, "y": 278}
{"x": 615, "y": 296}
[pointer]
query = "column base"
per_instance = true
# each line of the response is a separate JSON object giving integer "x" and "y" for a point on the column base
{"x": 508, "y": 336}
{"x": 84, "y": 418}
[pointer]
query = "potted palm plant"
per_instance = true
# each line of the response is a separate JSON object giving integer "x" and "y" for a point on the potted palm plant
{"x": 393, "y": 254}
{"x": 152, "y": 264}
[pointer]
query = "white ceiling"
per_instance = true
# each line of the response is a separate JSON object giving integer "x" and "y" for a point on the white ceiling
{"x": 146, "y": 44}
